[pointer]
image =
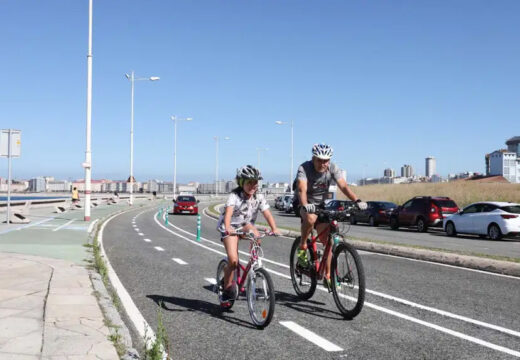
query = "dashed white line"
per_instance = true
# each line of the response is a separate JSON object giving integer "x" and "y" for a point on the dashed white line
{"x": 140, "y": 234}
{"x": 147, "y": 240}
{"x": 158, "y": 248}
{"x": 136, "y": 229}
{"x": 180, "y": 261}
{"x": 211, "y": 280}
{"x": 62, "y": 226}
{"x": 310, "y": 336}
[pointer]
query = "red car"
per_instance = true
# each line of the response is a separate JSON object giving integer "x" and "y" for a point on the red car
{"x": 423, "y": 212}
{"x": 185, "y": 204}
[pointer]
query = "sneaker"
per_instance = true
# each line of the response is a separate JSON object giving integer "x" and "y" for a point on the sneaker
{"x": 302, "y": 258}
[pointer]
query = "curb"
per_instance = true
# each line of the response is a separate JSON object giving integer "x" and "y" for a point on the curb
{"x": 466, "y": 261}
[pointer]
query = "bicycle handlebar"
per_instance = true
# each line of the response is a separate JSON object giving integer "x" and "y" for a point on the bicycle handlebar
{"x": 251, "y": 235}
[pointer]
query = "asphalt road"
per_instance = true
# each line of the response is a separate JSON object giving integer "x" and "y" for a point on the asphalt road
{"x": 413, "y": 309}
{"x": 434, "y": 238}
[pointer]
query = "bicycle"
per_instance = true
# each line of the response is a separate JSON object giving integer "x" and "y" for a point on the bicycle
{"x": 253, "y": 279}
{"x": 347, "y": 273}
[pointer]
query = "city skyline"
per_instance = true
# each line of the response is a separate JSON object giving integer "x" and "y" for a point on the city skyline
{"x": 387, "y": 83}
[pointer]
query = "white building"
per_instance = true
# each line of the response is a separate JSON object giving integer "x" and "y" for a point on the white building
{"x": 506, "y": 164}
{"x": 58, "y": 186}
{"x": 37, "y": 184}
{"x": 430, "y": 166}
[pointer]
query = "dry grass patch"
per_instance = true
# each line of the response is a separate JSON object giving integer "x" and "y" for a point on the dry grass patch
{"x": 463, "y": 192}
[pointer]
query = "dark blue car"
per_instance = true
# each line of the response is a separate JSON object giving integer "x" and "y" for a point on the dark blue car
{"x": 377, "y": 212}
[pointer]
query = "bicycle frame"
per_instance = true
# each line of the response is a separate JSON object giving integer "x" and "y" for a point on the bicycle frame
{"x": 253, "y": 259}
{"x": 321, "y": 265}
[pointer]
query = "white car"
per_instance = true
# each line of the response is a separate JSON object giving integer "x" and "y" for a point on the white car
{"x": 492, "y": 219}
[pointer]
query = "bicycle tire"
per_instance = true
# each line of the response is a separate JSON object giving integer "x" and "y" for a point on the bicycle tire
{"x": 219, "y": 280}
{"x": 304, "y": 289}
{"x": 263, "y": 314}
{"x": 344, "y": 277}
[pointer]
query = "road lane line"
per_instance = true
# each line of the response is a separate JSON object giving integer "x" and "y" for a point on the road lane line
{"x": 140, "y": 234}
{"x": 310, "y": 336}
{"x": 212, "y": 281}
{"x": 136, "y": 229}
{"x": 180, "y": 261}
{"x": 158, "y": 248}
{"x": 62, "y": 226}
{"x": 147, "y": 240}
{"x": 379, "y": 308}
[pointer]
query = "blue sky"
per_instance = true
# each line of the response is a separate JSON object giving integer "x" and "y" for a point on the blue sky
{"x": 386, "y": 83}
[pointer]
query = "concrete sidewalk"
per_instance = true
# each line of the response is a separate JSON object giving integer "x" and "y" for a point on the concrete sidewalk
{"x": 48, "y": 311}
{"x": 48, "y": 306}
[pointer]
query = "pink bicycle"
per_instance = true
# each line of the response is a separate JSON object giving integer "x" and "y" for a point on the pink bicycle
{"x": 253, "y": 279}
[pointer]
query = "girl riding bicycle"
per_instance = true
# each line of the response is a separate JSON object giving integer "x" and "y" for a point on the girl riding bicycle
{"x": 241, "y": 211}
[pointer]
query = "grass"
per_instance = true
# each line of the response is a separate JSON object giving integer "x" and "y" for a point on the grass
{"x": 462, "y": 192}
{"x": 156, "y": 349}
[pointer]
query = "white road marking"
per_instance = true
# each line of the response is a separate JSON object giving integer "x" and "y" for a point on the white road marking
{"x": 147, "y": 240}
{"x": 382, "y": 309}
{"x": 212, "y": 281}
{"x": 140, "y": 234}
{"x": 310, "y": 336}
{"x": 180, "y": 261}
{"x": 158, "y": 248}
{"x": 91, "y": 226}
{"x": 62, "y": 226}
{"x": 136, "y": 229}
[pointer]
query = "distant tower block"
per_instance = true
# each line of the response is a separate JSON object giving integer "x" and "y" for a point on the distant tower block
{"x": 430, "y": 166}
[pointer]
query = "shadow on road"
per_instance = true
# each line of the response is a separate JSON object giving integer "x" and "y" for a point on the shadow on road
{"x": 173, "y": 303}
{"x": 306, "y": 306}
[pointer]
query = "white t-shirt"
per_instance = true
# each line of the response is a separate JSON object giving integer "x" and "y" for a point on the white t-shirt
{"x": 245, "y": 210}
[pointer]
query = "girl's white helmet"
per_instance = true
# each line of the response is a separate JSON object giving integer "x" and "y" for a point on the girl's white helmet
{"x": 322, "y": 151}
{"x": 247, "y": 172}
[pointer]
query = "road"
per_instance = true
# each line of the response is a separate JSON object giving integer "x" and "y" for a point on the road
{"x": 413, "y": 309}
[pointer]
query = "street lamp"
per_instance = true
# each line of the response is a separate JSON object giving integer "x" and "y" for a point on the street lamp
{"x": 292, "y": 149}
{"x": 258, "y": 151}
{"x": 216, "y": 161}
{"x": 133, "y": 79}
{"x": 175, "y": 119}
{"x": 88, "y": 152}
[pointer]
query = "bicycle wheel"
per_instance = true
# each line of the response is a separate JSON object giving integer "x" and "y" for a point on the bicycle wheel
{"x": 260, "y": 298}
{"x": 219, "y": 286}
{"x": 348, "y": 280}
{"x": 303, "y": 278}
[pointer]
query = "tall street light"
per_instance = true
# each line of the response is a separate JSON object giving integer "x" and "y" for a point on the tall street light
{"x": 216, "y": 161}
{"x": 258, "y": 151}
{"x": 292, "y": 149}
{"x": 88, "y": 153}
{"x": 175, "y": 119}
{"x": 133, "y": 79}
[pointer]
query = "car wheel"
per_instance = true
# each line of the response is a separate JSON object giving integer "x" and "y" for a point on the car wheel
{"x": 421, "y": 225}
{"x": 494, "y": 232}
{"x": 372, "y": 221}
{"x": 450, "y": 229}
{"x": 394, "y": 224}
{"x": 352, "y": 219}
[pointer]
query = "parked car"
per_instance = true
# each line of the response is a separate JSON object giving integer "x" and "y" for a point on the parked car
{"x": 278, "y": 202}
{"x": 339, "y": 205}
{"x": 422, "y": 212}
{"x": 492, "y": 219}
{"x": 287, "y": 203}
{"x": 377, "y": 212}
{"x": 185, "y": 204}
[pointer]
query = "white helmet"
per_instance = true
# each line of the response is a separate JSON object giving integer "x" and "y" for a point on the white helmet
{"x": 322, "y": 151}
{"x": 247, "y": 172}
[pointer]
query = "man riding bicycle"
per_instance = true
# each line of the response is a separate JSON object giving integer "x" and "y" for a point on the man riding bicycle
{"x": 313, "y": 180}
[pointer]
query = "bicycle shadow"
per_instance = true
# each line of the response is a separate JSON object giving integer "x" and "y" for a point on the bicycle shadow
{"x": 178, "y": 304}
{"x": 306, "y": 306}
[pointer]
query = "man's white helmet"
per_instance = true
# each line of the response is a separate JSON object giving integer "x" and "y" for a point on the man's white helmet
{"x": 322, "y": 151}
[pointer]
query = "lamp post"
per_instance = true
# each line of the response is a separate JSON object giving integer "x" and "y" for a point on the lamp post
{"x": 292, "y": 149}
{"x": 258, "y": 151}
{"x": 175, "y": 119}
{"x": 133, "y": 79}
{"x": 87, "y": 165}
{"x": 216, "y": 161}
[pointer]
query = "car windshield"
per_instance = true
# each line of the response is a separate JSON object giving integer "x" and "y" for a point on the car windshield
{"x": 515, "y": 209}
{"x": 186, "y": 198}
{"x": 445, "y": 203}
